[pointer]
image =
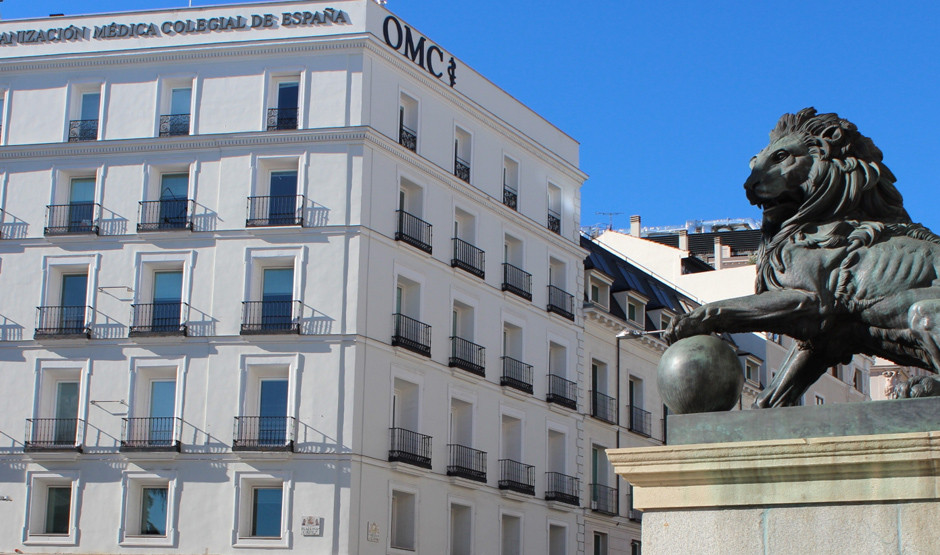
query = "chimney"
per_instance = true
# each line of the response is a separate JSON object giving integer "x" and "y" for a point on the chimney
{"x": 683, "y": 240}
{"x": 635, "y": 226}
{"x": 718, "y": 249}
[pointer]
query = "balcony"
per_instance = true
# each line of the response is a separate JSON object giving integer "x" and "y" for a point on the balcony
{"x": 465, "y": 462}
{"x": 158, "y": 319}
{"x": 151, "y": 434}
{"x": 71, "y": 219}
{"x": 165, "y": 215}
{"x": 468, "y": 258}
{"x": 517, "y": 375}
{"x": 517, "y": 281}
{"x": 515, "y": 476}
{"x": 468, "y": 356}
{"x": 414, "y": 231}
{"x": 560, "y": 302}
{"x": 263, "y": 433}
{"x": 561, "y": 487}
{"x": 462, "y": 169}
{"x": 174, "y": 125}
{"x": 275, "y": 211}
{"x": 83, "y": 130}
{"x": 62, "y": 322}
{"x": 510, "y": 197}
{"x": 53, "y": 434}
{"x": 412, "y": 335}
{"x": 639, "y": 421}
{"x": 562, "y": 392}
{"x": 554, "y": 221}
{"x": 410, "y": 447}
{"x": 280, "y": 119}
{"x": 634, "y": 514}
{"x": 268, "y": 317}
{"x": 408, "y": 138}
{"x": 603, "y": 407}
{"x": 604, "y": 499}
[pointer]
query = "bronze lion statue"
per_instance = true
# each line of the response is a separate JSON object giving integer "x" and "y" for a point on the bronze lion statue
{"x": 841, "y": 267}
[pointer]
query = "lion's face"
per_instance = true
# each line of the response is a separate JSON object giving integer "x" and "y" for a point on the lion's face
{"x": 778, "y": 175}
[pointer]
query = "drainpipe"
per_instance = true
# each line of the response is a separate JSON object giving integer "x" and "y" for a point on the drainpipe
{"x": 617, "y": 338}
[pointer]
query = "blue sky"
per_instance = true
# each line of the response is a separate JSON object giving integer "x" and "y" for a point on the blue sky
{"x": 669, "y": 100}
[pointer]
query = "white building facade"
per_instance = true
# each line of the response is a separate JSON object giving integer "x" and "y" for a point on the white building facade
{"x": 285, "y": 276}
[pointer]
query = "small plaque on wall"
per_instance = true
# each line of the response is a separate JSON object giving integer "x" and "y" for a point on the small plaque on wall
{"x": 372, "y": 531}
{"x": 311, "y": 526}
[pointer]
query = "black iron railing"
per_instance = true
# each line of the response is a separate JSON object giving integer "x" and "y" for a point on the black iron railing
{"x": 517, "y": 281}
{"x": 562, "y": 392}
{"x": 77, "y": 217}
{"x": 510, "y": 197}
{"x": 151, "y": 434}
{"x": 260, "y": 317}
{"x": 166, "y": 318}
{"x": 408, "y": 138}
{"x": 410, "y": 447}
{"x": 281, "y": 118}
{"x": 468, "y": 257}
{"x": 639, "y": 421}
{"x": 165, "y": 214}
{"x": 172, "y": 125}
{"x": 53, "y": 434}
{"x": 414, "y": 231}
{"x": 467, "y": 355}
{"x": 603, "y": 407}
{"x": 462, "y": 169}
{"x": 554, "y": 221}
{"x": 560, "y": 302}
{"x": 263, "y": 433}
{"x": 603, "y": 499}
{"x": 466, "y": 462}
{"x": 411, "y": 334}
{"x": 83, "y": 130}
{"x": 516, "y": 476}
{"x": 561, "y": 487}
{"x": 516, "y": 374}
{"x": 635, "y": 515}
{"x": 275, "y": 211}
{"x": 62, "y": 321}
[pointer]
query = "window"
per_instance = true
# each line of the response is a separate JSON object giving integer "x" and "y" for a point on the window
{"x": 402, "y": 520}
{"x": 277, "y": 200}
{"x": 752, "y": 370}
{"x": 274, "y": 306}
{"x": 176, "y": 108}
{"x": 510, "y": 531}
{"x": 516, "y": 373}
{"x": 515, "y": 279}
{"x": 664, "y": 321}
{"x": 408, "y": 122}
{"x": 465, "y": 354}
{"x": 68, "y": 301}
{"x": 858, "y": 381}
{"x": 554, "y": 208}
{"x": 632, "y": 311}
{"x": 598, "y": 291}
{"x": 74, "y": 208}
{"x": 85, "y": 111}
{"x": 557, "y": 539}
{"x": 820, "y": 400}
{"x": 166, "y": 206}
{"x": 51, "y": 518}
{"x": 408, "y": 329}
{"x": 153, "y": 425}
{"x": 640, "y": 420}
{"x": 636, "y": 547}
{"x": 262, "y": 500}
{"x": 466, "y": 255}
{"x": 510, "y": 183}
{"x": 265, "y": 423}
{"x": 284, "y": 103}
{"x": 149, "y": 509}
{"x": 462, "y": 154}
{"x": 411, "y": 229}
{"x": 461, "y": 529}
{"x": 559, "y": 300}
{"x": 600, "y": 543}
{"x": 407, "y": 445}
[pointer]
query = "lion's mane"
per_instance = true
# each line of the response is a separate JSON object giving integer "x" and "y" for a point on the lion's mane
{"x": 848, "y": 185}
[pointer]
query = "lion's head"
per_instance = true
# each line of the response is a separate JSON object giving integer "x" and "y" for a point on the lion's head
{"x": 818, "y": 168}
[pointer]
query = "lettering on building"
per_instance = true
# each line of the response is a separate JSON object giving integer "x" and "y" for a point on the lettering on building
{"x": 419, "y": 50}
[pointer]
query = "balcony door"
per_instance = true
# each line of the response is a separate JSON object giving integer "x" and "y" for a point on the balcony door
{"x": 283, "y": 206}
{"x": 167, "y": 299}
{"x": 162, "y": 411}
{"x": 81, "y": 205}
{"x": 66, "y": 412}
{"x": 174, "y": 192}
{"x": 277, "y": 296}
{"x": 72, "y": 303}
{"x": 180, "y": 101}
{"x": 287, "y": 96}
{"x": 272, "y": 428}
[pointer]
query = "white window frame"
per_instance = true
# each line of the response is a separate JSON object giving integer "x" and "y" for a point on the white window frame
{"x": 149, "y": 262}
{"x": 393, "y": 487}
{"x": 245, "y": 482}
{"x": 516, "y": 514}
{"x": 73, "y": 101}
{"x": 52, "y": 372}
{"x": 272, "y": 78}
{"x": 133, "y": 483}
{"x": 463, "y": 502}
{"x": 414, "y": 378}
{"x": 255, "y": 368}
{"x": 258, "y": 259}
{"x": 512, "y": 412}
{"x": 37, "y": 486}
{"x": 469, "y": 160}
{"x": 548, "y": 533}
{"x": 165, "y": 86}
{"x": 144, "y": 370}
{"x": 405, "y": 92}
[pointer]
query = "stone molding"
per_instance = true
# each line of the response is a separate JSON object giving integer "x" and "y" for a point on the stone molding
{"x": 830, "y": 470}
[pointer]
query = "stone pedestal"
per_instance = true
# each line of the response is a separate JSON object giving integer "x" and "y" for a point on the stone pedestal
{"x": 869, "y": 493}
